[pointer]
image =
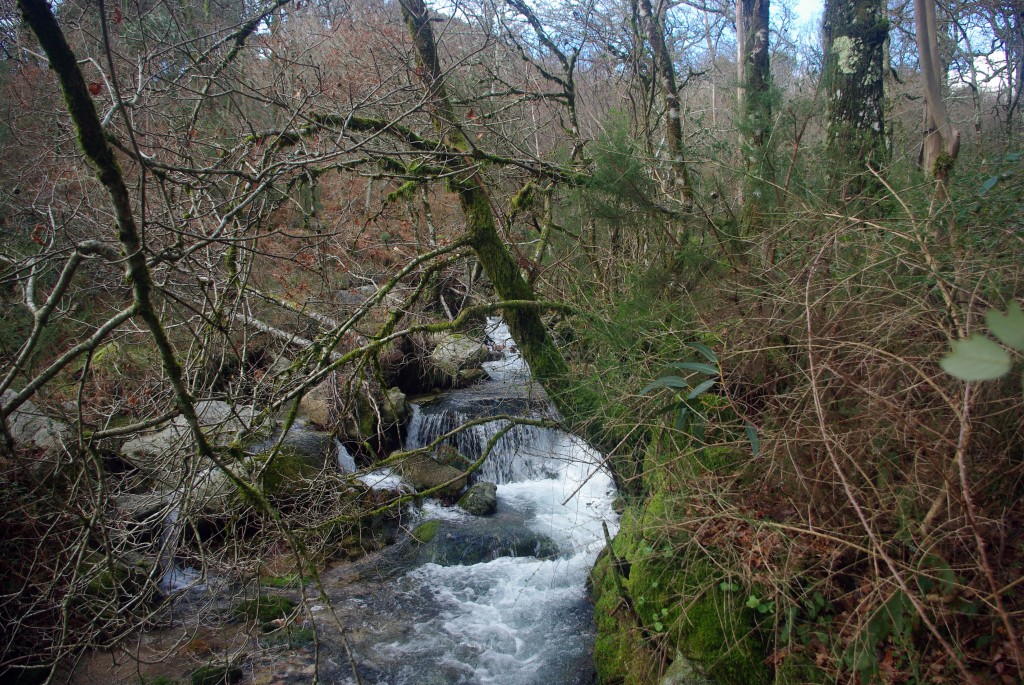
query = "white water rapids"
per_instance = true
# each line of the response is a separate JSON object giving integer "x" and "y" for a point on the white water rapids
{"x": 511, "y": 620}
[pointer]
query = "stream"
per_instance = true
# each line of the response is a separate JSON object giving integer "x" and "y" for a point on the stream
{"x": 497, "y": 599}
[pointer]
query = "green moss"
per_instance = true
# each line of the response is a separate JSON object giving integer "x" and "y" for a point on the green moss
{"x": 216, "y": 675}
{"x": 425, "y": 532}
{"x": 285, "y": 475}
{"x": 263, "y": 609}
{"x": 291, "y": 637}
{"x": 523, "y": 200}
{"x": 713, "y": 459}
{"x": 290, "y": 580}
{"x": 716, "y": 630}
{"x": 798, "y": 669}
{"x": 157, "y": 680}
{"x": 671, "y": 603}
{"x": 622, "y": 654}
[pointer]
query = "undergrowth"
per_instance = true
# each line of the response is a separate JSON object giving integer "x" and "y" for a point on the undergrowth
{"x": 871, "y": 528}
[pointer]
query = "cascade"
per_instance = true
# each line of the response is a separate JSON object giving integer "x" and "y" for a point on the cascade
{"x": 506, "y": 620}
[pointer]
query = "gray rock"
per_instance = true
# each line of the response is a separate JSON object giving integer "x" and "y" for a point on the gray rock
{"x": 456, "y": 353}
{"x": 423, "y": 473}
{"x": 219, "y": 420}
{"x": 160, "y": 455}
{"x": 141, "y": 507}
{"x": 213, "y": 493}
{"x": 148, "y": 452}
{"x": 31, "y": 429}
{"x": 457, "y": 543}
{"x": 313, "y": 447}
{"x": 220, "y": 416}
{"x": 682, "y": 671}
{"x": 349, "y": 298}
{"x": 280, "y": 368}
{"x": 394, "y": 409}
{"x": 468, "y": 377}
{"x": 481, "y": 499}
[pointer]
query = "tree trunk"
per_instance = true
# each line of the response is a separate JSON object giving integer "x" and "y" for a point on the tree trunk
{"x": 524, "y": 322}
{"x": 666, "y": 78}
{"x": 755, "y": 106}
{"x": 941, "y": 139}
{"x": 854, "y": 35}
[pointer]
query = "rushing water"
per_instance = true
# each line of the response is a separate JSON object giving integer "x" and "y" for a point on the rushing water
{"x": 509, "y": 620}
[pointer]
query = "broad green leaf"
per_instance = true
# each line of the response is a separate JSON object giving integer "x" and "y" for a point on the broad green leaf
{"x": 670, "y": 407}
{"x": 976, "y": 359}
{"x": 659, "y": 626}
{"x": 988, "y": 185}
{"x": 700, "y": 426}
{"x": 666, "y": 382}
{"x": 702, "y": 388}
{"x": 681, "y": 419}
{"x": 755, "y": 444}
{"x": 1008, "y": 326}
{"x": 695, "y": 366}
{"x": 752, "y": 602}
{"x": 708, "y": 353}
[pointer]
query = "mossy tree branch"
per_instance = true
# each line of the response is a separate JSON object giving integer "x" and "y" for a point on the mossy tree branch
{"x": 93, "y": 141}
{"x": 525, "y": 323}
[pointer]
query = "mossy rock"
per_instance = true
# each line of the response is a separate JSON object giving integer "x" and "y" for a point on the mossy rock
{"x": 225, "y": 674}
{"x": 622, "y": 655}
{"x": 291, "y": 637}
{"x": 425, "y": 532}
{"x": 449, "y": 456}
{"x": 476, "y": 541}
{"x": 669, "y": 602}
{"x": 286, "y": 581}
{"x": 285, "y": 476}
{"x": 263, "y": 609}
{"x": 481, "y": 499}
{"x": 423, "y": 473}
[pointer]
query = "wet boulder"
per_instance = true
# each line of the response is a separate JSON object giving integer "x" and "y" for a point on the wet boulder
{"x": 220, "y": 421}
{"x": 31, "y": 429}
{"x": 464, "y": 543}
{"x": 314, "y": 447}
{"x": 355, "y": 409}
{"x": 424, "y": 473}
{"x": 481, "y": 499}
{"x": 458, "y": 358}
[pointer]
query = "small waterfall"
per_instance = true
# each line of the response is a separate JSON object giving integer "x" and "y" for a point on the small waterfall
{"x": 521, "y": 453}
{"x": 511, "y": 366}
{"x": 346, "y": 462}
{"x": 175, "y": 578}
{"x": 513, "y": 619}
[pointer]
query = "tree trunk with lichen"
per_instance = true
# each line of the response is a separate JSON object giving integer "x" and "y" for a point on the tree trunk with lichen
{"x": 92, "y": 139}
{"x": 854, "y": 35}
{"x": 755, "y": 104}
{"x": 666, "y": 79}
{"x": 941, "y": 139}
{"x": 524, "y": 322}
